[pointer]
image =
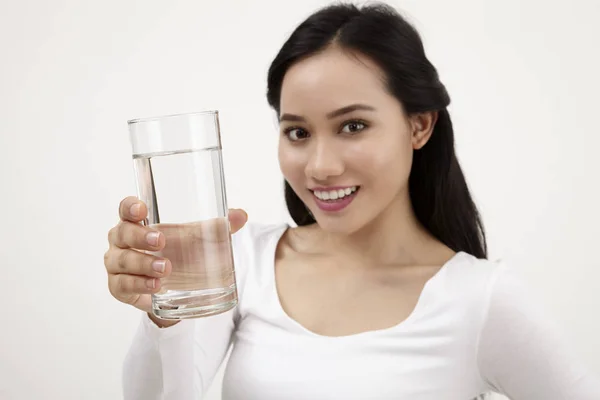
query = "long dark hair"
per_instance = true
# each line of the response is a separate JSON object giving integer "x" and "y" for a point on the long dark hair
{"x": 438, "y": 190}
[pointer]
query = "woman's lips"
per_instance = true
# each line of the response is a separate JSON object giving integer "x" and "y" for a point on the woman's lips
{"x": 325, "y": 202}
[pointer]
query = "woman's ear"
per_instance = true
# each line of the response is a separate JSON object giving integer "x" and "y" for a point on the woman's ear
{"x": 422, "y": 125}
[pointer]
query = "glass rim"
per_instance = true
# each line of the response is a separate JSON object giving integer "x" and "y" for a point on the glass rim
{"x": 159, "y": 117}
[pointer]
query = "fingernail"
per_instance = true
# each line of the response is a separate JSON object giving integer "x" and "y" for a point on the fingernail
{"x": 150, "y": 283}
{"x": 159, "y": 266}
{"x": 152, "y": 238}
{"x": 134, "y": 210}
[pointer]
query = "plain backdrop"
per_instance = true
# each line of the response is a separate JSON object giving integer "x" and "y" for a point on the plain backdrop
{"x": 522, "y": 74}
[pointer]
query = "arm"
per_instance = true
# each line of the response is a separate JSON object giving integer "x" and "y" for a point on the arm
{"x": 177, "y": 362}
{"x": 523, "y": 354}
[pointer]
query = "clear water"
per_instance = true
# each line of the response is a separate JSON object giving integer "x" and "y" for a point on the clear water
{"x": 185, "y": 195}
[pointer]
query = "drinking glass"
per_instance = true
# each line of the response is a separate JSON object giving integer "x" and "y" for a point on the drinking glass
{"x": 179, "y": 176}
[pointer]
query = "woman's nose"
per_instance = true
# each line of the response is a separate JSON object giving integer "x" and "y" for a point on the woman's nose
{"x": 324, "y": 162}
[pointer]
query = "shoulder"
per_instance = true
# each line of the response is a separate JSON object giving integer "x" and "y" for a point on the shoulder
{"x": 479, "y": 287}
{"x": 494, "y": 289}
{"x": 255, "y": 236}
{"x": 496, "y": 279}
{"x": 253, "y": 256}
{"x": 254, "y": 246}
{"x": 468, "y": 273}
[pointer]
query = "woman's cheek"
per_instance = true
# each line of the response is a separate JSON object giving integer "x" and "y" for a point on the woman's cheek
{"x": 291, "y": 164}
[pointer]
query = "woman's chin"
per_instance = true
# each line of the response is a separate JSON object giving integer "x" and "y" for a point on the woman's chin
{"x": 341, "y": 226}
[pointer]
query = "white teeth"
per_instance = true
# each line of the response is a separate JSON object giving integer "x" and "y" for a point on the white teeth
{"x": 335, "y": 194}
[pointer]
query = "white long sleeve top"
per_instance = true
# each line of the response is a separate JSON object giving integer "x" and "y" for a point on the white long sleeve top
{"x": 475, "y": 329}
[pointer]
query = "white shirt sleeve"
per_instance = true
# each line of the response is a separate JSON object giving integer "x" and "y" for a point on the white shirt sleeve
{"x": 523, "y": 354}
{"x": 180, "y": 362}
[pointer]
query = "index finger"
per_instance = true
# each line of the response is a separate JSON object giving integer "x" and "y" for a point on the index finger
{"x": 132, "y": 209}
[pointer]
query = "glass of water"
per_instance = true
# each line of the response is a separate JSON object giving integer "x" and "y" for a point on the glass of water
{"x": 179, "y": 175}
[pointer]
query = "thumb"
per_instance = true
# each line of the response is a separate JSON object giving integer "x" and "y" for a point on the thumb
{"x": 237, "y": 219}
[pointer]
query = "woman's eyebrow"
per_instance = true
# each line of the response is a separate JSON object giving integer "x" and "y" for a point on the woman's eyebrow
{"x": 331, "y": 115}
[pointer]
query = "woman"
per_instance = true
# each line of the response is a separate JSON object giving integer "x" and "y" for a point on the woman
{"x": 383, "y": 291}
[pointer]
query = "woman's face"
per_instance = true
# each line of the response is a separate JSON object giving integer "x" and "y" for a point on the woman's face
{"x": 346, "y": 144}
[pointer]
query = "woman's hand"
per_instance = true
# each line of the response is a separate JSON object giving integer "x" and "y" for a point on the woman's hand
{"x": 132, "y": 274}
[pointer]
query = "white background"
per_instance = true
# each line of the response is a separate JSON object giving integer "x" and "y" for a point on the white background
{"x": 523, "y": 76}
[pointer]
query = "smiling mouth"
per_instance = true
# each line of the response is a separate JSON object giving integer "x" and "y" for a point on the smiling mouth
{"x": 332, "y": 196}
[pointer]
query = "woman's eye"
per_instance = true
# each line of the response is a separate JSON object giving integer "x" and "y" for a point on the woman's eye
{"x": 353, "y": 127}
{"x": 295, "y": 134}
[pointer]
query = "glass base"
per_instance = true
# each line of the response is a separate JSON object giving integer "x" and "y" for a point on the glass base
{"x": 178, "y": 304}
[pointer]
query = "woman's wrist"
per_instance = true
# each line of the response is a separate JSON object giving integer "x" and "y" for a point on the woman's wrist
{"x": 161, "y": 323}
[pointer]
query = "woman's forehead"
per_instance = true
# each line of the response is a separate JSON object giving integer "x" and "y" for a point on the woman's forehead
{"x": 334, "y": 78}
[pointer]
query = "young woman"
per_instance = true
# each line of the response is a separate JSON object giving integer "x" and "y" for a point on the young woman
{"x": 383, "y": 290}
